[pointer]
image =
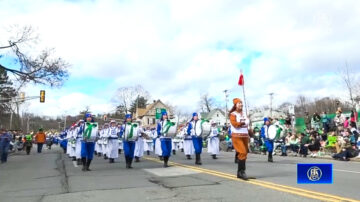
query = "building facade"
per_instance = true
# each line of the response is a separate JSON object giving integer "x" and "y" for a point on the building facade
{"x": 147, "y": 116}
{"x": 216, "y": 115}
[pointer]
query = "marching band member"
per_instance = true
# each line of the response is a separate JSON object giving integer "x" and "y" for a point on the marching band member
{"x": 113, "y": 144}
{"x": 73, "y": 135}
{"x": 63, "y": 141}
{"x": 68, "y": 137}
{"x": 157, "y": 145}
{"x": 139, "y": 145}
{"x": 174, "y": 145}
{"x": 105, "y": 140}
{"x": 164, "y": 139}
{"x": 268, "y": 142}
{"x": 196, "y": 138}
{"x": 79, "y": 137}
{"x": 121, "y": 147}
{"x": 129, "y": 133}
{"x": 239, "y": 135}
{"x": 148, "y": 145}
{"x": 188, "y": 143}
{"x": 213, "y": 141}
{"x": 98, "y": 143}
{"x": 88, "y": 143}
{"x": 180, "y": 135}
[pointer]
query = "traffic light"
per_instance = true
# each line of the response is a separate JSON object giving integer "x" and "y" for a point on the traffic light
{"x": 42, "y": 96}
{"x": 22, "y": 96}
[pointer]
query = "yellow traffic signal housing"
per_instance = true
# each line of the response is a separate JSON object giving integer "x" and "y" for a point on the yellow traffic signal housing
{"x": 22, "y": 96}
{"x": 42, "y": 96}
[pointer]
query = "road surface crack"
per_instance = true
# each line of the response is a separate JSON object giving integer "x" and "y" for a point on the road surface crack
{"x": 64, "y": 177}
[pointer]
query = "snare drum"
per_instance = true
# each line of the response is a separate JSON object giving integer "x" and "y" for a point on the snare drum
{"x": 272, "y": 132}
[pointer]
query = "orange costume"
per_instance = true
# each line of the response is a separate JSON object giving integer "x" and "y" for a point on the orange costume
{"x": 240, "y": 137}
{"x": 239, "y": 134}
{"x": 40, "y": 137}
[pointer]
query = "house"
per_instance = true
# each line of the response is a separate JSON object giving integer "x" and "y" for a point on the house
{"x": 147, "y": 115}
{"x": 216, "y": 115}
{"x": 257, "y": 116}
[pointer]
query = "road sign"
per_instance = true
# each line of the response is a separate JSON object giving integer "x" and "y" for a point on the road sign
{"x": 158, "y": 112}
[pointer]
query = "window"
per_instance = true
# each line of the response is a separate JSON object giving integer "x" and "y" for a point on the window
{"x": 217, "y": 115}
{"x": 148, "y": 120}
{"x": 153, "y": 121}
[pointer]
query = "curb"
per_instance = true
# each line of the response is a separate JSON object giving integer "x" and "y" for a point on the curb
{"x": 355, "y": 159}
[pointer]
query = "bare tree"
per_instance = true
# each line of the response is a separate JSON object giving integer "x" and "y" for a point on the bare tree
{"x": 301, "y": 102}
{"x": 348, "y": 78}
{"x": 41, "y": 69}
{"x": 125, "y": 96}
{"x": 285, "y": 106}
{"x": 206, "y": 103}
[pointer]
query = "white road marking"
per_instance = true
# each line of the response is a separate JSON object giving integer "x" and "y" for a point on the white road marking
{"x": 347, "y": 171}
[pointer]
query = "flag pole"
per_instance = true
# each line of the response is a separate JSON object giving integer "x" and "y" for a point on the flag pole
{"x": 243, "y": 88}
{"x": 247, "y": 112}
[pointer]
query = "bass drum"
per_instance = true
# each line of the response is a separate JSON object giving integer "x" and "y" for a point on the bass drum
{"x": 171, "y": 130}
{"x": 205, "y": 129}
{"x": 135, "y": 132}
{"x": 197, "y": 128}
{"x": 272, "y": 132}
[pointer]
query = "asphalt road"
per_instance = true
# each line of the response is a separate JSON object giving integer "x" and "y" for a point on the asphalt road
{"x": 51, "y": 176}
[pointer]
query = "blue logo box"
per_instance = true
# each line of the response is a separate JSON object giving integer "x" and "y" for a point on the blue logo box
{"x": 314, "y": 173}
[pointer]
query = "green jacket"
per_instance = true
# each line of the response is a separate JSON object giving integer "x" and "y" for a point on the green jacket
{"x": 28, "y": 137}
{"x": 305, "y": 140}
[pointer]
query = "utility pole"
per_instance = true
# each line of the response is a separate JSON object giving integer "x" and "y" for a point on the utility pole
{"x": 27, "y": 124}
{"x": 11, "y": 118}
{"x": 64, "y": 123}
{"x": 271, "y": 99}
{"x": 137, "y": 106}
{"x": 226, "y": 107}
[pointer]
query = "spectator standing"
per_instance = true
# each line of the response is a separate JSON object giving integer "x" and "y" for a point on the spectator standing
{"x": 315, "y": 121}
{"x": 346, "y": 122}
{"x": 325, "y": 122}
{"x": 339, "y": 120}
{"x": 353, "y": 117}
{"x": 40, "y": 139}
{"x": 354, "y": 131}
{"x": 307, "y": 121}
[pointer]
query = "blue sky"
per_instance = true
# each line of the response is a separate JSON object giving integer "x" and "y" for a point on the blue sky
{"x": 178, "y": 50}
